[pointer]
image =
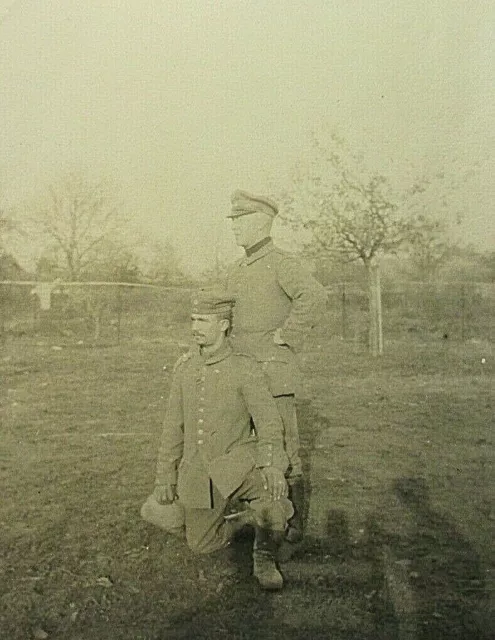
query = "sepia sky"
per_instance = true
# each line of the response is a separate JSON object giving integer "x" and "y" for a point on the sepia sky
{"x": 182, "y": 102}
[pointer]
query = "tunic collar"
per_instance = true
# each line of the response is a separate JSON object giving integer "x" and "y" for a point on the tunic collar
{"x": 262, "y": 251}
{"x": 256, "y": 247}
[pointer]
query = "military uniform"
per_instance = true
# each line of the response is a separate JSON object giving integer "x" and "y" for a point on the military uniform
{"x": 274, "y": 291}
{"x": 210, "y": 450}
{"x": 277, "y": 303}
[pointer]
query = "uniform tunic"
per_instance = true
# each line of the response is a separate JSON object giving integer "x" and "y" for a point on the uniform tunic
{"x": 273, "y": 290}
{"x": 207, "y": 435}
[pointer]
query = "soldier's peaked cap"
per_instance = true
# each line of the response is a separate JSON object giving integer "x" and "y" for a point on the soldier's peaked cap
{"x": 212, "y": 302}
{"x": 244, "y": 203}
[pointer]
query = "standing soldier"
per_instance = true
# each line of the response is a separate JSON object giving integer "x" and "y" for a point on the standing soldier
{"x": 209, "y": 456}
{"x": 277, "y": 303}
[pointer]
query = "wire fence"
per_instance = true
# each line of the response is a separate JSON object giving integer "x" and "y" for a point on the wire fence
{"x": 458, "y": 311}
{"x": 113, "y": 312}
{"x": 103, "y": 312}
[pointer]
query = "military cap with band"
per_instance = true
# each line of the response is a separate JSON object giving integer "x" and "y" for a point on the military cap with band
{"x": 244, "y": 203}
{"x": 212, "y": 302}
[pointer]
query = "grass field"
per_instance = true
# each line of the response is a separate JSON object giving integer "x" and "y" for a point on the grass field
{"x": 399, "y": 451}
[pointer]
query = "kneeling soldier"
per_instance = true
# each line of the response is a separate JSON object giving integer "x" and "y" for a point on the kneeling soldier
{"x": 210, "y": 456}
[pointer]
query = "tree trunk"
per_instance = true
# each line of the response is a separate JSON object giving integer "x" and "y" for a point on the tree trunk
{"x": 97, "y": 320}
{"x": 375, "y": 334}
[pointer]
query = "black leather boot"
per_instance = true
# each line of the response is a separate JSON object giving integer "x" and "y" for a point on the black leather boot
{"x": 295, "y": 529}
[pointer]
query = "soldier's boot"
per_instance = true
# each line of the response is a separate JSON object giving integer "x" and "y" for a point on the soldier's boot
{"x": 295, "y": 529}
{"x": 265, "y": 569}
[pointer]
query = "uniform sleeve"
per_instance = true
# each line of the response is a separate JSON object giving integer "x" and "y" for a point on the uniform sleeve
{"x": 308, "y": 298}
{"x": 172, "y": 441}
{"x": 267, "y": 421}
{"x": 228, "y": 282}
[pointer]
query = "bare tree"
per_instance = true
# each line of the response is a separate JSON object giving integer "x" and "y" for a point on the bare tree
{"x": 11, "y": 232}
{"x": 429, "y": 250}
{"x": 160, "y": 263}
{"x": 345, "y": 211}
{"x": 84, "y": 235}
{"x": 5, "y": 223}
{"x": 8, "y": 226}
{"x": 81, "y": 222}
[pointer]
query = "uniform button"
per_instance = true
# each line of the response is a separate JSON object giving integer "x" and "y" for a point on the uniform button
{"x": 200, "y": 432}
{"x": 200, "y": 442}
{"x": 201, "y": 410}
{"x": 200, "y": 421}
{"x": 202, "y": 398}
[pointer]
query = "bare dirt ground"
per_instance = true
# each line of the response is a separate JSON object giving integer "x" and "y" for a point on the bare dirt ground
{"x": 399, "y": 451}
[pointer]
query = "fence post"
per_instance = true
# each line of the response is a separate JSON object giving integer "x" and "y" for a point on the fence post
{"x": 119, "y": 311}
{"x": 378, "y": 291}
{"x": 344, "y": 313}
{"x": 34, "y": 303}
{"x": 375, "y": 309}
{"x": 463, "y": 313}
{"x": 3, "y": 306}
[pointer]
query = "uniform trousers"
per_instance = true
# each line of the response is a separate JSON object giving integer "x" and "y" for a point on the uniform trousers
{"x": 206, "y": 530}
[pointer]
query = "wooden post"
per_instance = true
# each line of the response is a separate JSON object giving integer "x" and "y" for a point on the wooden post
{"x": 119, "y": 311}
{"x": 344, "y": 313}
{"x": 463, "y": 313}
{"x": 3, "y": 305}
{"x": 35, "y": 312}
{"x": 375, "y": 307}
{"x": 378, "y": 293}
{"x": 372, "y": 341}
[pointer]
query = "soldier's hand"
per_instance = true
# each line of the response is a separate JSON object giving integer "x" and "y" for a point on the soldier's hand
{"x": 277, "y": 337}
{"x": 165, "y": 493}
{"x": 274, "y": 481}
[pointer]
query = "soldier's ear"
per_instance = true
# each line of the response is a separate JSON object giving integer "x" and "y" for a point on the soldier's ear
{"x": 224, "y": 324}
{"x": 265, "y": 222}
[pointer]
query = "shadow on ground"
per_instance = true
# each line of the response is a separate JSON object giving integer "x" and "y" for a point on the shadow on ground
{"x": 445, "y": 572}
{"x": 90, "y": 568}
{"x": 326, "y": 595}
{"x": 332, "y": 588}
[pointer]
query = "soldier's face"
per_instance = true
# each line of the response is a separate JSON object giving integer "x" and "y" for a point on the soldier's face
{"x": 248, "y": 228}
{"x": 207, "y": 329}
